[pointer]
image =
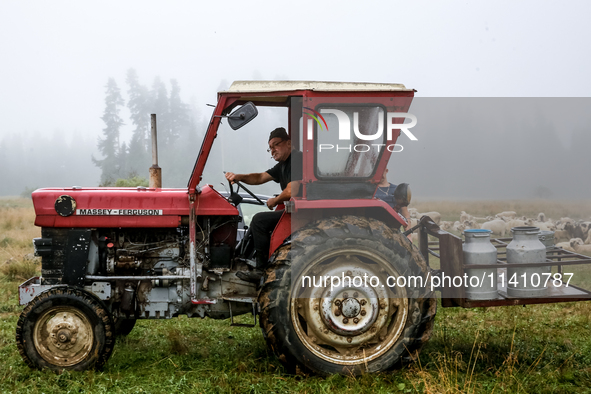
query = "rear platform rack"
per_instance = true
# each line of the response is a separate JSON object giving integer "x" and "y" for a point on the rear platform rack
{"x": 448, "y": 249}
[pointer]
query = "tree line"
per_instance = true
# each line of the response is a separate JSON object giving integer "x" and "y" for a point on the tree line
{"x": 178, "y": 137}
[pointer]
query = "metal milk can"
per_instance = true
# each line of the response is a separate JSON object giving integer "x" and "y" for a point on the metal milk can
{"x": 547, "y": 238}
{"x": 481, "y": 283}
{"x": 526, "y": 248}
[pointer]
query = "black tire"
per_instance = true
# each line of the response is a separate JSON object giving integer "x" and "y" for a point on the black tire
{"x": 123, "y": 327}
{"x": 305, "y": 336}
{"x": 65, "y": 329}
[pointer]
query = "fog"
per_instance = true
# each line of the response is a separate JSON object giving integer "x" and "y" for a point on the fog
{"x": 497, "y": 148}
{"x": 58, "y": 57}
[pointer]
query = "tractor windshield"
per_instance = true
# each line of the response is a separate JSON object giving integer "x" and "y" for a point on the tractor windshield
{"x": 350, "y": 140}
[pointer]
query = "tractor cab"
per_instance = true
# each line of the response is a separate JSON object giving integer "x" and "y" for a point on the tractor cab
{"x": 345, "y": 131}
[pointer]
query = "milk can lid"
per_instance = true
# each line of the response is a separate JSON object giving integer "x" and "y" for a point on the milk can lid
{"x": 477, "y": 233}
{"x": 526, "y": 229}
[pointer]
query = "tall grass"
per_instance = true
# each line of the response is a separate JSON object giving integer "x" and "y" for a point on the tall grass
{"x": 17, "y": 230}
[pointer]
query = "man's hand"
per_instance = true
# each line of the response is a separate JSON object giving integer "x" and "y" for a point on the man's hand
{"x": 233, "y": 178}
{"x": 272, "y": 202}
{"x": 406, "y": 228}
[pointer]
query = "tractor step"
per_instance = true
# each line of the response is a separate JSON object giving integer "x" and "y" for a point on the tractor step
{"x": 250, "y": 300}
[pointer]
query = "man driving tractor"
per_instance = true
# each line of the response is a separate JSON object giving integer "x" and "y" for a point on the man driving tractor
{"x": 263, "y": 223}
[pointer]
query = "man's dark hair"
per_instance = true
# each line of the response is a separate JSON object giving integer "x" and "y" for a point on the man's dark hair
{"x": 279, "y": 132}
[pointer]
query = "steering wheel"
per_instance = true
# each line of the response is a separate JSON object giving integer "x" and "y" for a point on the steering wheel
{"x": 240, "y": 185}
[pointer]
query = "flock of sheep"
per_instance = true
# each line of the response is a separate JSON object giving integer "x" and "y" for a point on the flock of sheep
{"x": 569, "y": 234}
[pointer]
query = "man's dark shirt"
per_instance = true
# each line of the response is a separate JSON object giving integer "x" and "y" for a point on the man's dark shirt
{"x": 386, "y": 194}
{"x": 288, "y": 170}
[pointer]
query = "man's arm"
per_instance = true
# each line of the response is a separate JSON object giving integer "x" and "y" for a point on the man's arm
{"x": 404, "y": 212}
{"x": 293, "y": 186}
{"x": 250, "y": 179}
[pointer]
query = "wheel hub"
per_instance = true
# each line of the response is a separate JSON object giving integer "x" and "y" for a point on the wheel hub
{"x": 63, "y": 336}
{"x": 351, "y": 311}
{"x": 350, "y": 307}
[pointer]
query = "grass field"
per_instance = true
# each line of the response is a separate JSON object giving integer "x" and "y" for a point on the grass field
{"x": 534, "y": 349}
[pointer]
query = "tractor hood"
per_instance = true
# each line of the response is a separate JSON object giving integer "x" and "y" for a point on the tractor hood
{"x": 123, "y": 207}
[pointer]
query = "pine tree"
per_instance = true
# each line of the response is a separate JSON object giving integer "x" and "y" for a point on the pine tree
{"x": 189, "y": 148}
{"x": 180, "y": 154}
{"x": 180, "y": 117}
{"x": 160, "y": 107}
{"x": 122, "y": 161}
{"x": 138, "y": 160}
{"x": 109, "y": 144}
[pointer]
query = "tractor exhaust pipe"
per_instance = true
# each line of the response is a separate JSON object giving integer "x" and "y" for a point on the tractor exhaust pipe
{"x": 155, "y": 171}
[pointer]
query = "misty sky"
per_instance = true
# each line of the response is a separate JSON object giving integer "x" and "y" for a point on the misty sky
{"x": 57, "y": 56}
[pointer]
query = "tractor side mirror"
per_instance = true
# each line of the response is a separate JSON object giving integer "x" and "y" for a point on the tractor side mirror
{"x": 242, "y": 115}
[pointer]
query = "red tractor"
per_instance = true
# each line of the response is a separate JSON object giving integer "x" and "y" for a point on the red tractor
{"x": 111, "y": 256}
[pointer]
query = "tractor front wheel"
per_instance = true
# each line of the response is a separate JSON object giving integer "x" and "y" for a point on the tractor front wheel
{"x": 65, "y": 329}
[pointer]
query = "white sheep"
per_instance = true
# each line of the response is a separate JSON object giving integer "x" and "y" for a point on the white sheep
{"x": 514, "y": 223}
{"x": 588, "y": 240}
{"x": 497, "y": 227}
{"x": 568, "y": 245}
{"x": 464, "y": 216}
{"x": 579, "y": 247}
{"x": 462, "y": 226}
{"x": 485, "y": 219}
{"x": 585, "y": 226}
{"x": 541, "y": 217}
{"x": 561, "y": 235}
{"x": 468, "y": 225}
{"x": 506, "y": 215}
{"x": 544, "y": 226}
{"x": 564, "y": 245}
{"x": 446, "y": 226}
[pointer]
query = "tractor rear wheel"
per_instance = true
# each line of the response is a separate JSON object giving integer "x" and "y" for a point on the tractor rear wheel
{"x": 65, "y": 329}
{"x": 356, "y": 326}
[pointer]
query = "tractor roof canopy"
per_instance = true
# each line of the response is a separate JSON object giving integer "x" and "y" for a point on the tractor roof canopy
{"x": 319, "y": 86}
